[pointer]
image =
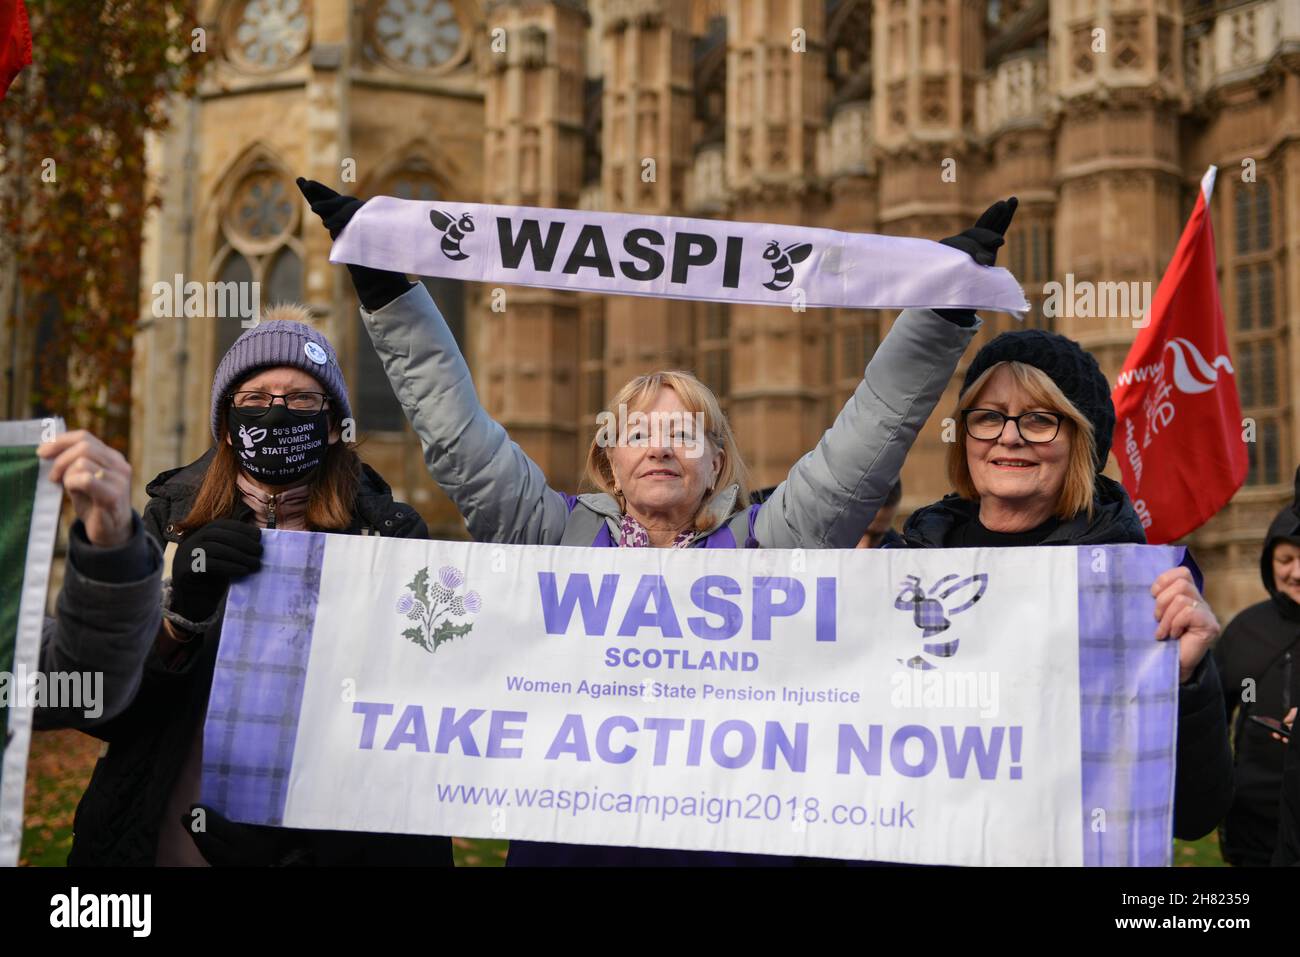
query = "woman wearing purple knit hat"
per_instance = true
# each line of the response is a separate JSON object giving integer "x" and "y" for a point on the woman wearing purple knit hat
{"x": 279, "y": 413}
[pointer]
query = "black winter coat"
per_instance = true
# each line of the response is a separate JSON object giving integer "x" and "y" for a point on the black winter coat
{"x": 1287, "y": 853}
{"x": 1261, "y": 644}
{"x": 119, "y": 818}
{"x": 1203, "y": 780}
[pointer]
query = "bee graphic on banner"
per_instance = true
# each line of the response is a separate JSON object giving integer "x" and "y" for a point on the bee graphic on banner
{"x": 932, "y": 611}
{"x": 455, "y": 231}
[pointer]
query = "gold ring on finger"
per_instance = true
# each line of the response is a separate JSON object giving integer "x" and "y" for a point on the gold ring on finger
{"x": 99, "y": 474}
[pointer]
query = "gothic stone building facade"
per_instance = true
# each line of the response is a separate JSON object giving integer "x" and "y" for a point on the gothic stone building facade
{"x": 904, "y": 117}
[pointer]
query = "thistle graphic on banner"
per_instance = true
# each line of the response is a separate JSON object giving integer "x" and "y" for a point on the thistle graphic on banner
{"x": 433, "y": 609}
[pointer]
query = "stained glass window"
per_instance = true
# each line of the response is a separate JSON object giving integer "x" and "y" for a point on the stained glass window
{"x": 262, "y": 207}
{"x": 418, "y": 34}
{"x": 270, "y": 34}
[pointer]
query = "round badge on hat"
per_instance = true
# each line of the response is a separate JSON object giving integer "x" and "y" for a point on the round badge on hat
{"x": 315, "y": 353}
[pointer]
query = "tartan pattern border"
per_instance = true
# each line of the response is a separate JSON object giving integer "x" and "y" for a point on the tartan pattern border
{"x": 1128, "y": 709}
{"x": 261, "y": 672}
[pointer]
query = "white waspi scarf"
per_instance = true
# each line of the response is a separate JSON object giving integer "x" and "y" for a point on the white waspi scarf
{"x": 670, "y": 256}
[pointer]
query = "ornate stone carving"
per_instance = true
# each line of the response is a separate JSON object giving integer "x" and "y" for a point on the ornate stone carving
{"x": 621, "y": 13}
{"x": 1081, "y": 56}
{"x": 1242, "y": 24}
{"x": 850, "y": 138}
{"x": 532, "y": 47}
{"x": 1127, "y": 45}
{"x": 1016, "y": 92}
{"x": 709, "y": 178}
{"x": 934, "y": 101}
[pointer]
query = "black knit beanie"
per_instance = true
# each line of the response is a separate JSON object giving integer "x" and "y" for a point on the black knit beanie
{"x": 1074, "y": 371}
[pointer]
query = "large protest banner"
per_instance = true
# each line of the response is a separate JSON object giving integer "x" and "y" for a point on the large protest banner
{"x": 967, "y": 706}
{"x": 670, "y": 256}
{"x": 28, "y": 523}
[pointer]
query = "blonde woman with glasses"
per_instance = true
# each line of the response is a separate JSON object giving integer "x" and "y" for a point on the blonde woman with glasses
{"x": 1036, "y": 424}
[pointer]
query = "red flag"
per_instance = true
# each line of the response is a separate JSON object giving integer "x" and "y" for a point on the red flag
{"x": 1178, "y": 432}
{"x": 15, "y": 42}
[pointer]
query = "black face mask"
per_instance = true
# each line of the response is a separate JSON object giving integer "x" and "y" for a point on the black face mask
{"x": 279, "y": 447}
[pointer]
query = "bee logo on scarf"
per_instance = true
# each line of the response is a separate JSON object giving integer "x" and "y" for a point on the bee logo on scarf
{"x": 948, "y": 597}
{"x": 783, "y": 262}
{"x": 454, "y": 232}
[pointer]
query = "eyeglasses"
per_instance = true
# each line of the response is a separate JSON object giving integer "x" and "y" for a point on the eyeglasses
{"x": 987, "y": 424}
{"x": 299, "y": 403}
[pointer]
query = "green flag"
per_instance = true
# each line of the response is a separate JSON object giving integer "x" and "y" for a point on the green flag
{"x": 29, "y": 519}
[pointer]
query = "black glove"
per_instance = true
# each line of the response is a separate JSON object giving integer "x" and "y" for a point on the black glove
{"x": 231, "y": 549}
{"x": 225, "y": 843}
{"x": 375, "y": 288}
{"x": 981, "y": 243}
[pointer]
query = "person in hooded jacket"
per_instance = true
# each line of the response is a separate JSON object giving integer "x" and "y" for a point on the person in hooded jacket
{"x": 1257, "y": 663}
{"x": 655, "y": 491}
{"x": 278, "y": 408}
{"x": 1036, "y": 425}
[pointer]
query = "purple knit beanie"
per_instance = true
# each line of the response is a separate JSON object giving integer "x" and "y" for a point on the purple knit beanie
{"x": 280, "y": 342}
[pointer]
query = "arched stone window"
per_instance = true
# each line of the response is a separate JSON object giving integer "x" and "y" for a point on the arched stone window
{"x": 257, "y": 243}
{"x": 1260, "y": 356}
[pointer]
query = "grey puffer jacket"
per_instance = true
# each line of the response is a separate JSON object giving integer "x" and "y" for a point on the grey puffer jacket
{"x": 829, "y": 497}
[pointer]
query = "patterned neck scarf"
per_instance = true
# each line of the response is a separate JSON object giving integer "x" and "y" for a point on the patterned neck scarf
{"x": 634, "y": 535}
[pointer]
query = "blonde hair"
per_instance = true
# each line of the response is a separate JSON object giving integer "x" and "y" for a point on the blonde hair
{"x": 1080, "y": 472}
{"x": 698, "y": 399}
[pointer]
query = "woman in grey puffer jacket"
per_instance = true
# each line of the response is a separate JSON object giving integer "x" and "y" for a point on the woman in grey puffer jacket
{"x": 683, "y": 490}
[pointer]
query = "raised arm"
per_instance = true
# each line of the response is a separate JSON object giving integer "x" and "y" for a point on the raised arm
{"x": 500, "y": 491}
{"x": 832, "y": 493}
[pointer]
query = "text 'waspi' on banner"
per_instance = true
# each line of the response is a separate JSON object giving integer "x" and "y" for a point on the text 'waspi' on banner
{"x": 968, "y": 707}
{"x": 669, "y": 256}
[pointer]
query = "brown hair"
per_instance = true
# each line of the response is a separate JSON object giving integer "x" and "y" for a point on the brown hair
{"x": 330, "y": 501}
{"x": 697, "y": 398}
{"x": 1080, "y": 472}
